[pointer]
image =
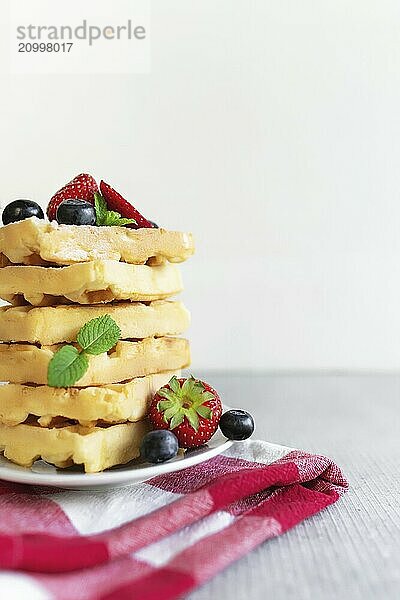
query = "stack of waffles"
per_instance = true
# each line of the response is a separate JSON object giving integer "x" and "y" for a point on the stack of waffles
{"x": 56, "y": 278}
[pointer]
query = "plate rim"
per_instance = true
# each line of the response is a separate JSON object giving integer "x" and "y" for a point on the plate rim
{"x": 104, "y": 479}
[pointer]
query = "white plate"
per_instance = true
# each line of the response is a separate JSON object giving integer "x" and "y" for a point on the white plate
{"x": 42, "y": 473}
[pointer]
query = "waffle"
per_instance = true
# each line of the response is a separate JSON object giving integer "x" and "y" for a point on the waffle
{"x": 113, "y": 403}
{"x": 88, "y": 283}
{"x": 57, "y": 278}
{"x": 24, "y": 363}
{"x": 53, "y": 325}
{"x": 36, "y": 242}
{"x": 95, "y": 448}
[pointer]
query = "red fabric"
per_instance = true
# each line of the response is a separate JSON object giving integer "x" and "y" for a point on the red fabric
{"x": 260, "y": 501}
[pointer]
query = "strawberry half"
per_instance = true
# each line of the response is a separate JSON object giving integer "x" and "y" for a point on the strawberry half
{"x": 190, "y": 408}
{"x": 117, "y": 203}
{"x": 82, "y": 187}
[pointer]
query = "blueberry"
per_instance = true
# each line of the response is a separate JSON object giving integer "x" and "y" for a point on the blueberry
{"x": 236, "y": 424}
{"x": 158, "y": 446}
{"x": 76, "y": 212}
{"x": 155, "y": 226}
{"x": 21, "y": 209}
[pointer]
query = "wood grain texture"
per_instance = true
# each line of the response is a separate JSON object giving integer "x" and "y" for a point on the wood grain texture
{"x": 352, "y": 549}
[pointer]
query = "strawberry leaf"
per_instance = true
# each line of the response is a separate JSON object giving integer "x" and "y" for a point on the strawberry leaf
{"x": 176, "y": 420}
{"x": 171, "y": 412}
{"x": 162, "y": 405}
{"x": 188, "y": 401}
{"x": 188, "y": 386}
{"x": 204, "y": 411}
{"x": 174, "y": 385}
{"x": 168, "y": 394}
{"x": 192, "y": 417}
{"x": 205, "y": 396}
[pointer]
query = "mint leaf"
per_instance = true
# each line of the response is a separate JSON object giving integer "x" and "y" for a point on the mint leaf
{"x": 98, "y": 335}
{"x": 121, "y": 221}
{"x": 107, "y": 218}
{"x": 100, "y": 206}
{"x": 114, "y": 218}
{"x": 66, "y": 367}
{"x": 111, "y": 217}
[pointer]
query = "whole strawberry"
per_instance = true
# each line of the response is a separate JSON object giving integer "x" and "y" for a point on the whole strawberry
{"x": 190, "y": 408}
{"x": 117, "y": 203}
{"x": 82, "y": 187}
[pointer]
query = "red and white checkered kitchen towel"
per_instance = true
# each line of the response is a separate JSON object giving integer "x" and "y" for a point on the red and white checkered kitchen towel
{"x": 162, "y": 538}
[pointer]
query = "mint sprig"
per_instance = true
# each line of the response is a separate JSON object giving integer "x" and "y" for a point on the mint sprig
{"x": 69, "y": 364}
{"x": 105, "y": 217}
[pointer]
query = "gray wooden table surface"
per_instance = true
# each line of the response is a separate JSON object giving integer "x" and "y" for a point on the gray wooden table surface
{"x": 352, "y": 549}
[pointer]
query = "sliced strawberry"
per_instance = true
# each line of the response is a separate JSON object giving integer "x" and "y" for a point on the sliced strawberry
{"x": 188, "y": 407}
{"x": 117, "y": 203}
{"x": 81, "y": 187}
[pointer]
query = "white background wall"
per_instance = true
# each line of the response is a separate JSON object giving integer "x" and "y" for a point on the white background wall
{"x": 272, "y": 131}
